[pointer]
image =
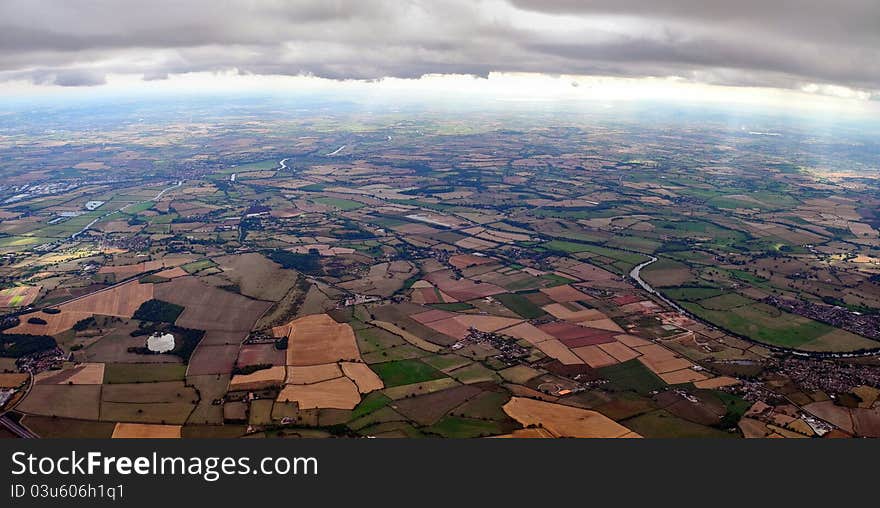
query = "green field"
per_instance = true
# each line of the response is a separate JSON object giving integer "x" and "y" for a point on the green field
{"x": 197, "y": 266}
{"x": 405, "y": 372}
{"x": 726, "y": 301}
{"x": 139, "y": 207}
{"x": 143, "y": 372}
{"x": 21, "y": 241}
{"x": 691, "y": 294}
{"x": 521, "y": 305}
{"x": 370, "y": 403}
{"x": 763, "y": 323}
{"x": 632, "y": 375}
{"x": 662, "y": 424}
{"x": 455, "y": 427}
{"x": 343, "y": 204}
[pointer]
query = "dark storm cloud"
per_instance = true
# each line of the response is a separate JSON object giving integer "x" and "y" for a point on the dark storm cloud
{"x": 782, "y": 43}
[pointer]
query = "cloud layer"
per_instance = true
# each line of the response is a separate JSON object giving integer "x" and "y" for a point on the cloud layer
{"x": 778, "y": 43}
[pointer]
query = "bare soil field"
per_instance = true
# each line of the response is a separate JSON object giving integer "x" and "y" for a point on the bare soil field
{"x": 255, "y": 354}
{"x": 339, "y": 393}
{"x": 837, "y": 415}
{"x": 119, "y": 301}
{"x": 573, "y": 312}
{"x": 577, "y": 336}
{"x": 432, "y": 315}
{"x": 632, "y": 340}
{"x": 172, "y": 273}
{"x": 129, "y": 270}
{"x": 309, "y": 374}
{"x": 594, "y": 356}
{"x": 555, "y": 349}
{"x": 12, "y": 380}
{"x": 55, "y": 323}
{"x": 459, "y": 325}
{"x": 565, "y": 421}
{"x": 661, "y": 360}
{"x": 145, "y": 431}
{"x": 318, "y": 339}
{"x": 365, "y": 379}
{"x": 258, "y": 380}
{"x": 527, "y": 331}
{"x": 565, "y": 293}
{"x": 619, "y": 351}
{"x": 866, "y": 422}
{"x": 461, "y": 261}
{"x": 82, "y": 374}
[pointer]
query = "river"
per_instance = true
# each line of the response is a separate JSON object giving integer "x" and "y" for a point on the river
{"x": 635, "y": 274}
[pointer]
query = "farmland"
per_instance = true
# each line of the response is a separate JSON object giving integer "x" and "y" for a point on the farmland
{"x": 457, "y": 276}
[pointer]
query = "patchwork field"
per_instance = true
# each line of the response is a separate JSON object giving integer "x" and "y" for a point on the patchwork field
{"x": 565, "y": 421}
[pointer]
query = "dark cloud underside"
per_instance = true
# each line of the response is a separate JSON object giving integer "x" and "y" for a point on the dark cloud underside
{"x": 781, "y": 43}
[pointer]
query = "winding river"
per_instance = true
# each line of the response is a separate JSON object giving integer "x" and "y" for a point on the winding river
{"x": 635, "y": 274}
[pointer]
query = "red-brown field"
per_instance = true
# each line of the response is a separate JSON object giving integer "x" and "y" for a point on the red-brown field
{"x": 12, "y": 380}
{"x": 212, "y": 360}
{"x": 463, "y": 289}
{"x": 255, "y": 354}
{"x": 465, "y": 260}
{"x": 457, "y": 325}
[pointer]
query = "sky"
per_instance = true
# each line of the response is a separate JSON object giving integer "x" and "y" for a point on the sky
{"x": 806, "y": 53}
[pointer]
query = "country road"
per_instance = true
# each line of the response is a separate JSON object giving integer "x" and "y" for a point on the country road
{"x": 16, "y": 429}
{"x": 90, "y": 224}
